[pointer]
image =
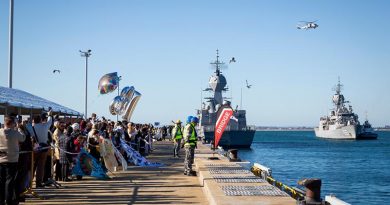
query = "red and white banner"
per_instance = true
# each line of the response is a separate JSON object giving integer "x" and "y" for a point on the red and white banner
{"x": 224, "y": 114}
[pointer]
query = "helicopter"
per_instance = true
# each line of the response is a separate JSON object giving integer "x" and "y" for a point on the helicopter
{"x": 307, "y": 25}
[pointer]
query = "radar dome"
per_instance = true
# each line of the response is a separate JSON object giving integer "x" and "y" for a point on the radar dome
{"x": 338, "y": 99}
{"x": 217, "y": 83}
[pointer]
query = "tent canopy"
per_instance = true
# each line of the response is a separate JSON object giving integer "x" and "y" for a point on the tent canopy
{"x": 23, "y": 103}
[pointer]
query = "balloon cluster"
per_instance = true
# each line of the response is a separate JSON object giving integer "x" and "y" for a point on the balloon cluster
{"x": 125, "y": 103}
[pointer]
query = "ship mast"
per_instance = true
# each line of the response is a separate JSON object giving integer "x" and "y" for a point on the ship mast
{"x": 217, "y": 82}
{"x": 338, "y": 87}
{"x": 217, "y": 64}
{"x": 338, "y": 98}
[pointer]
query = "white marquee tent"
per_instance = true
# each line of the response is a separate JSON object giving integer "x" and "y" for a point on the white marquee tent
{"x": 23, "y": 103}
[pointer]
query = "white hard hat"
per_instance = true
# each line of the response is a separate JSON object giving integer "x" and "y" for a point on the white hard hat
{"x": 76, "y": 126}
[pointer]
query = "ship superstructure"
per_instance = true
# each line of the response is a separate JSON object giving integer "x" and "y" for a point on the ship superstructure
{"x": 342, "y": 122}
{"x": 237, "y": 134}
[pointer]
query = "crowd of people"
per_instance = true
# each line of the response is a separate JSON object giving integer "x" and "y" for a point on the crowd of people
{"x": 55, "y": 143}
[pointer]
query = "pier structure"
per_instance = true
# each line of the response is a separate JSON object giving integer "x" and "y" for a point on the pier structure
{"x": 232, "y": 183}
{"x": 217, "y": 182}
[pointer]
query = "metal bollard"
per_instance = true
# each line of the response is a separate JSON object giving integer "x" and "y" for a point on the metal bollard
{"x": 313, "y": 190}
{"x": 233, "y": 155}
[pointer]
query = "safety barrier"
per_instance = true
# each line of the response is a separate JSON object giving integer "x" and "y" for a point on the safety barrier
{"x": 266, "y": 173}
{"x": 29, "y": 189}
{"x": 302, "y": 197}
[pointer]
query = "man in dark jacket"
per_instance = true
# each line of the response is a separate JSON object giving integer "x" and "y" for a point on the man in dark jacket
{"x": 24, "y": 163}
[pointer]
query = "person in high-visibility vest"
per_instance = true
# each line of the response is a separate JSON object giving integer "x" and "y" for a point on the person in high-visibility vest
{"x": 177, "y": 135}
{"x": 190, "y": 140}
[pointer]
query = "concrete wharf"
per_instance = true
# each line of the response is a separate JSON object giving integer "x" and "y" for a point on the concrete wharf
{"x": 217, "y": 182}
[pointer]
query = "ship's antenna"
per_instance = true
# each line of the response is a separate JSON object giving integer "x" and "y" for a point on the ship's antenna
{"x": 241, "y": 100}
{"x": 201, "y": 97}
{"x": 339, "y": 86}
{"x": 218, "y": 64}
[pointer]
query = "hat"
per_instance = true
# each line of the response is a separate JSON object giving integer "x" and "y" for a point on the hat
{"x": 178, "y": 122}
{"x": 195, "y": 119}
{"x": 76, "y": 126}
{"x": 189, "y": 118}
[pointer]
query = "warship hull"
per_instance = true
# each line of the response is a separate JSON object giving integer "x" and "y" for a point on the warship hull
{"x": 233, "y": 139}
{"x": 350, "y": 132}
{"x": 346, "y": 132}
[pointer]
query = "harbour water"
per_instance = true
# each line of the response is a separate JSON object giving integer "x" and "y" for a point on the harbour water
{"x": 357, "y": 172}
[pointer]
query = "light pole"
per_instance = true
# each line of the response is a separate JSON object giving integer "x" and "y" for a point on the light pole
{"x": 86, "y": 54}
{"x": 119, "y": 79}
{"x": 11, "y": 39}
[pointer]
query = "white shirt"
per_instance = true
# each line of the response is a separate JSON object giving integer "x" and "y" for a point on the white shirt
{"x": 9, "y": 143}
{"x": 41, "y": 129}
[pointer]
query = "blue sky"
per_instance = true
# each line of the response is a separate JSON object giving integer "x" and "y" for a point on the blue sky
{"x": 164, "y": 48}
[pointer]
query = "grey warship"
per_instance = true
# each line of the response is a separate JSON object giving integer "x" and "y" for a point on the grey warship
{"x": 343, "y": 123}
{"x": 237, "y": 134}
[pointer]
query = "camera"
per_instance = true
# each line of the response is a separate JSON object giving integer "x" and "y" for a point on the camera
{"x": 18, "y": 119}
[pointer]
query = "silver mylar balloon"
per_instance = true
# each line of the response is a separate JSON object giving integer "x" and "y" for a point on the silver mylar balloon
{"x": 125, "y": 103}
{"x": 118, "y": 105}
{"x": 112, "y": 107}
{"x": 131, "y": 107}
{"x": 127, "y": 92}
{"x": 108, "y": 83}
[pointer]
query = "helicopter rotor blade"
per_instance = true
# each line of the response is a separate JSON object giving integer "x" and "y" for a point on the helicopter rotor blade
{"x": 309, "y": 21}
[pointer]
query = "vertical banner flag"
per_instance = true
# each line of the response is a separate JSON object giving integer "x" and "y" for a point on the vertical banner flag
{"x": 225, "y": 112}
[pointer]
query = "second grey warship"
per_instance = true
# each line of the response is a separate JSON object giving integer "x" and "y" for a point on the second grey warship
{"x": 343, "y": 123}
{"x": 237, "y": 134}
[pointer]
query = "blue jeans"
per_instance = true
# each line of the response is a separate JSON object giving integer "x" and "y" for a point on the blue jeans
{"x": 176, "y": 147}
{"x": 7, "y": 183}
